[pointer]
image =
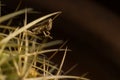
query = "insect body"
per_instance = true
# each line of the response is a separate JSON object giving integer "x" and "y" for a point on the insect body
{"x": 44, "y": 28}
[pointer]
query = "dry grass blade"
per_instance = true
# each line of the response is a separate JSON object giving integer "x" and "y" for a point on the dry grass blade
{"x": 58, "y": 77}
{"x": 45, "y": 51}
{"x": 57, "y": 51}
{"x": 70, "y": 69}
{"x": 18, "y": 6}
{"x": 9, "y": 16}
{"x": 59, "y": 70}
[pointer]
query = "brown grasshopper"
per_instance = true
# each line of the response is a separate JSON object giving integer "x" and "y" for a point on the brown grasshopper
{"x": 43, "y": 28}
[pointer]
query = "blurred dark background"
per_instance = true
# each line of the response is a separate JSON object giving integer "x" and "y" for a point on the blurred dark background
{"x": 92, "y": 28}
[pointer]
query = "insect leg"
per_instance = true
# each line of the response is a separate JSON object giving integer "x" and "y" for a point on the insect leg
{"x": 47, "y": 34}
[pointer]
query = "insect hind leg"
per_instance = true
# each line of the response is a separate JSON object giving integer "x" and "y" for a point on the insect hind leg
{"x": 47, "y": 34}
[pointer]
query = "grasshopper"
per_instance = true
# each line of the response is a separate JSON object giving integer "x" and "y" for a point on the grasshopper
{"x": 43, "y": 28}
